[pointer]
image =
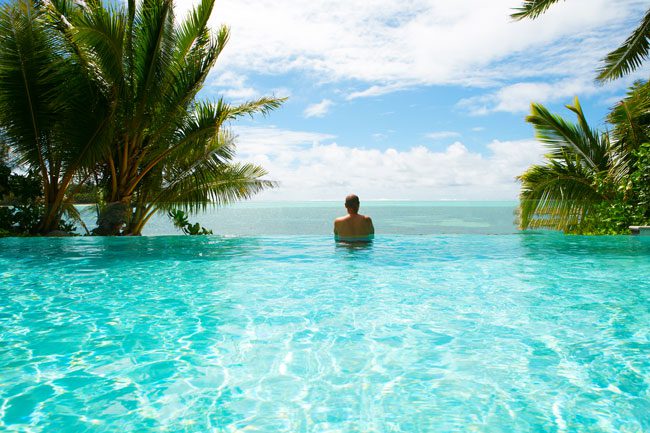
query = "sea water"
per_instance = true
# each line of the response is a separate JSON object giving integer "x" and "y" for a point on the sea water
{"x": 315, "y": 218}
{"x": 428, "y": 333}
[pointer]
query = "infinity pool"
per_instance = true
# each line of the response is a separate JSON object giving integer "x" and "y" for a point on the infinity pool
{"x": 466, "y": 333}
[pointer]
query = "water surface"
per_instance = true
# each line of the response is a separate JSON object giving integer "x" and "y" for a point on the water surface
{"x": 446, "y": 333}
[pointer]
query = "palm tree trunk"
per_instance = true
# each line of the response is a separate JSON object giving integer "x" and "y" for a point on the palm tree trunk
{"x": 111, "y": 164}
{"x": 113, "y": 218}
{"x": 51, "y": 216}
{"x": 53, "y": 205}
{"x": 147, "y": 213}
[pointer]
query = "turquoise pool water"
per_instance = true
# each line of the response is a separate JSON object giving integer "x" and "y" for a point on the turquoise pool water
{"x": 512, "y": 333}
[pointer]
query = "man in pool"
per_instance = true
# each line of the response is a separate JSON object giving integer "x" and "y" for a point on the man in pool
{"x": 353, "y": 227}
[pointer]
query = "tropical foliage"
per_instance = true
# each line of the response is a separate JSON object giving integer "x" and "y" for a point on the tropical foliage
{"x": 20, "y": 198}
{"x": 109, "y": 94}
{"x": 179, "y": 218}
{"x": 592, "y": 181}
{"x": 50, "y": 113}
{"x": 623, "y": 60}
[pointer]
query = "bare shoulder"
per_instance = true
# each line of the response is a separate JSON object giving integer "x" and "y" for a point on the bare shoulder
{"x": 367, "y": 218}
{"x": 341, "y": 219}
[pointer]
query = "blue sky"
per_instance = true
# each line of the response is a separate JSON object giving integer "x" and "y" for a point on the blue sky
{"x": 409, "y": 99}
{"x": 417, "y": 99}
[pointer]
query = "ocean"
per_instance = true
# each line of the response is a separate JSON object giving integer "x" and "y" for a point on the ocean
{"x": 316, "y": 217}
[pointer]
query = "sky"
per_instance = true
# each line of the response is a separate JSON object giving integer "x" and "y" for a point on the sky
{"x": 409, "y": 99}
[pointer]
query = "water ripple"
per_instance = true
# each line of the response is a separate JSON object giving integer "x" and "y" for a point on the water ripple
{"x": 298, "y": 334}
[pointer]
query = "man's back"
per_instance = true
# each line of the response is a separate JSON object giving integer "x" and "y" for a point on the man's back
{"x": 353, "y": 226}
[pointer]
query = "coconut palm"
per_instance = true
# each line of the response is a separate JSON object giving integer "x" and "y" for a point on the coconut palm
{"x": 631, "y": 125}
{"x": 623, "y": 60}
{"x": 204, "y": 176}
{"x": 151, "y": 68}
{"x": 561, "y": 193}
{"x": 51, "y": 114}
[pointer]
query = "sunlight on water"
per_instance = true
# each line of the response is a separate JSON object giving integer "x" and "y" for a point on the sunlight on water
{"x": 540, "y": 333}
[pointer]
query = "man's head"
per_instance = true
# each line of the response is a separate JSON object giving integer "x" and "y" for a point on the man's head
{"x": 352, "y": 203}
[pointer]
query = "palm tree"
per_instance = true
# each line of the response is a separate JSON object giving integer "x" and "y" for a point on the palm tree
{"x": 561, "y": 193}
{"x": 630, "y": 142}
{"x": 631, "y": 125}
{"x": 165, "y": 143}
{"x": 623, "y": 60}
{"x": 204, "y": 176}
{"x": 52, "y": 115}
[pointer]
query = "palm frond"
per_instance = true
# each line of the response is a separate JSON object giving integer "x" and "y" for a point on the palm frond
{"x": 262, "y": 106}
{"x": 561, "y": 193}
{"x": 630, "y": 55}
{"x": 101, "y": 33}
{"x": 625, "y": 59}
{"x": 193, "y": 30}
{"x": 154, "y": 30}
{"x": 183, "y": 80}
{"x": 212, "y": 183}
{"x": 201, "y": 133}
{"x": 72, "y": 213}
{"x": 556, "y": 197}
{"x": 560, "y": 135}
{"x": 26, "y": 93}
{"x": 532, "y": 9}
{"x": 197, "y": 139}
{"x": 631, "y": 119}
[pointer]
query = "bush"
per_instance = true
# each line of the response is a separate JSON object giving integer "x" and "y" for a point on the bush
{"x": 21, "y": 201}
{"x": 630, "y": 204}
{"x": 179, "y": 218}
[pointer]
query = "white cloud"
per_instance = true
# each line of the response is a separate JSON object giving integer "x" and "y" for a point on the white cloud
{"x": 312, "y": 166}
{"x": 613, "y": 100}
{"x": 375, "y": 91}
{"x": 319, "y": 109}
{"x": 391, "y": 44}
{"x": 269, "y": 140}
{"x": 281, "y": 92}
{"x": 240, "y": 94}
{"x": 228, "y": 79}
{"x": 441, "y": 135}
{"x": 516, "y": 98}
{"x": 233, "y": 86}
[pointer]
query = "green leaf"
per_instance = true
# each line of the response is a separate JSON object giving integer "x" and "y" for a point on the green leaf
{"x": 532, "y": 9}
{"x": 630, "y": 55}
